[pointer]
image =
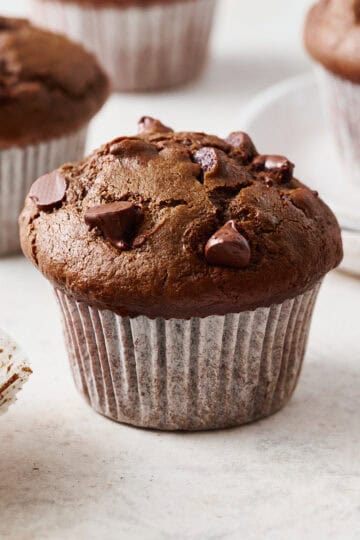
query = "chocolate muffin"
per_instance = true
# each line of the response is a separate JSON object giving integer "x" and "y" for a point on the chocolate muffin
{"x": 186, "y": 267}
{"x": 49, "y": 90}
{"x": 332, "y": 38}
{"x": 143, "y": 44}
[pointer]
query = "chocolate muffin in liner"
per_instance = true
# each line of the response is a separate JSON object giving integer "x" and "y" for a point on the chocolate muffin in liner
{"x": 332, "y": 38}
{"x": 50, "y": 88}
{"x": 142, "y": 44}
{"x": 186, "y": 268}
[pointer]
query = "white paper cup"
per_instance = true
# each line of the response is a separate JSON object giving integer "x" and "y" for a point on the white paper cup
{"x": 341, "y": 101}
{"x": 141, "y": 48}
{"x": 19, "y": 168}
{"x": 196, "y": 374}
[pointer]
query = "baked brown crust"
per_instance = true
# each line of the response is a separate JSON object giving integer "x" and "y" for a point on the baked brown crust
{"x": 332, "y": 36}
{"x": 293, "y": 236}
{"x": 49, "y": 86}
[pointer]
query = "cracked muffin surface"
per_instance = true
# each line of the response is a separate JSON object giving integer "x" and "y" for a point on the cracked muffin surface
{"x": 177, "y": 225}
{"x": 49, "y": 86}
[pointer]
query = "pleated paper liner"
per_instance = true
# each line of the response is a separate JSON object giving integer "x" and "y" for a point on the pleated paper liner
{"x": 141, "y": 48}
{"x": 197, "y": 374}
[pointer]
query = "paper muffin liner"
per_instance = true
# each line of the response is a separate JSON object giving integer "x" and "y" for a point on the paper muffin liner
{"x": 202, "y": 373}
{"x": 142, "y": 48}
{"x": 341, "y": 102}
{"x": 19, "y": 168}
{"x": 14, "y": 371}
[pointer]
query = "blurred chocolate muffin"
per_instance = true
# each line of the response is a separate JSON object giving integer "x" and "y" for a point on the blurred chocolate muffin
{"x": 332, "y": 38}
{"x": 50, "y": 88}
{"x": 188, "y": 262}
{"x": 144, "y": 45}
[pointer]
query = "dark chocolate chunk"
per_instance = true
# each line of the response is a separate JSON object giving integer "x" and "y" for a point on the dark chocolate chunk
{"x": 117, "y": 221}
{"x": 208, "y": 158}
{"x": 227, "y": 247}
{"x": 148, "y": 124}
{"x": 241, "y": 140}
{"x": 278, "y": 167}
{"x": 48, "y": 191}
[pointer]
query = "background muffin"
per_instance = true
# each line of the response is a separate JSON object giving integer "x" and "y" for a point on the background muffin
{"x": 50, "y": 88}
{"x": 187, "y": 268}
{"x": 332, "y": 37}
{"x": 143, "y": 44}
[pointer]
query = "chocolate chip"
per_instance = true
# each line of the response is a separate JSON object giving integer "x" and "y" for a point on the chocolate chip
{"x": 242, "y": 141}
{"x": 147, "y": 124}
{"x": 117, "y": 221}
{"x": 219, "y": 171}
{"x": 278, "y": 167}
{"x": 208, "y": 158}
{"x": 48, "y": 191}
{"x": 304, "y": 199}
{"x": 227, "y": 247}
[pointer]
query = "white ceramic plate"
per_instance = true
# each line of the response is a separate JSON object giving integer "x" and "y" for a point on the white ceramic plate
{"x": 287, "y": 119}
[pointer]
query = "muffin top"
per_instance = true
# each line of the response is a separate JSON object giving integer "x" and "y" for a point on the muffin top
{"x": 332, "y": 36}
{"x": 49, "y": 86}
{"x": 177, "y": 225}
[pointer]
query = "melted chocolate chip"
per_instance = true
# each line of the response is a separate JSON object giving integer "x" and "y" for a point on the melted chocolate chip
{"x": 219, "y": 171}
{"x": 117, "y": 221}
{"x": 227, "y": 247}
{"x": 278, "y": 167}
{"x": 242, "y": 141}
{"x": 147, "y": 124}
{"x": 48, "y": 191}
{"x": 208, "y": 158}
